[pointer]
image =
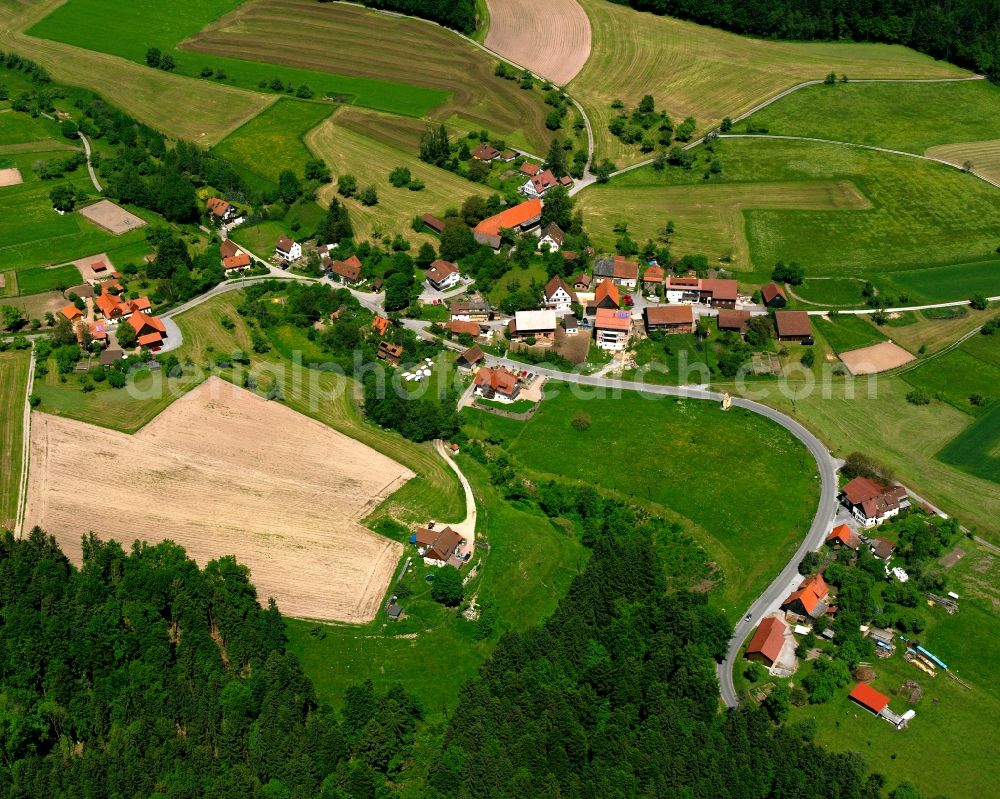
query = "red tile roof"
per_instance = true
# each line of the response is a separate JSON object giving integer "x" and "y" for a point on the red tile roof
{"x": 734, "y": 320}
{"x": 811, "y": 593}
{"x": 607, "y": 289}
{"x": 792, "y": 323}
{"x": 772, "y": 290}
{"x": 844, "y": 535}
{"x": 284, "y": 244}
{"x": 499, "y": 379}
{"x": 99, "y": 266}
{"x": 544, "y": 181}
{"x": 432, "y": 222}
{"x": 485, "y": 152}
{"x": 612, "y": 319}
{"x": 349, "y": 269}
{"x": 140, "y": 322}
{"x": 71, "y": 312}
{"x": 669, "y": 315}
{"x": 238, "y": 261}
{"x": 868, "y": 697}
{"x": 768, "y": 639}
{"x": 440, "y": 270}
{"x": 529, "y": 169}
{"x": 875, "y": 498}
{"x": 720, "y": 289}
{"x": 472, "y": 328}
{"x": 653, "y": 274}
{"x": 217, "y": 206}
{"x": 380, "y": 325}
{"x": 520, "y": 214}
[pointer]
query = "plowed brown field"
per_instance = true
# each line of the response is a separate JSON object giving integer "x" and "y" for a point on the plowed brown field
{"x": 225, "y": 472}
{"x": 551, "y": 39}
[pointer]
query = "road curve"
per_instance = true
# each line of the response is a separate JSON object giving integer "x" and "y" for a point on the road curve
{"x": 90, "y": 166}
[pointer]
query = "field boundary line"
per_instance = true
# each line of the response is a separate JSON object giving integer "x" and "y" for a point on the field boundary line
{"x": 22, "y": 488}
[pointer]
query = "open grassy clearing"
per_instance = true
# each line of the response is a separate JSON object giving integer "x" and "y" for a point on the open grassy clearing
{"x": 901, "y": 116}
{"x": 847, "y": 332}
{"x": 357, "y": 42}
{"x": 526, "y": 570}
{"x": 948, "y": 749}
{"x": 272, "y": 141}
{"x": 678, "y": 457}
{"x": 371, "y": 161}
{"x": 709, "y": 218}
{"x": 873, "y": 416}
{"x": 200, "y": 111}
{"x": 693, "y": 70}
{"x": 35, "y": 281}
{"x": 42, "y": 134}
{"x": 830, "y": 292}
{"x": 952, "y": 282}
{"x": 956, "y": 376}
{"x": 923, "y": 214}
{"x": 984, "y": 156}
{"x": 977, "y": 449}
{"x": 13, "y": 384}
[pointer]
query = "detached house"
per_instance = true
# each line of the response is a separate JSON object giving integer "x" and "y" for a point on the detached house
{"x": 606, "y": 296}
{"x": 872, "y": 502}
{"x": 653, "y": 277}
{"x": 810, "y": 599}
{"x": 533, "y": 324}
{"x": 347, "y": 271}
{"x": 72, "y": 313}
{"x": 486, "y": 152}
{"x": 288, "y": 250}
{"x": 530, "y": 169}
{"x": 228, "y": 249}
{"x": 439, "y": 547}
{"x": 669, "y": 318}
{"x": 496, "y": 383}
{"x": 475, "y": 309}
{"x": 843, "y": 536}
{"x": 612, "y": 329}
{"x": 222, "y": 211}
{"x": 552, "y": 237}
{"x": 442, "y": 275}
{"x": 538, "y": 184}
{"x": 619, "y": 269}
{"x": 236, "y": 263}
{"x": 558, "y": 296}
{"x": 149, "y": 331}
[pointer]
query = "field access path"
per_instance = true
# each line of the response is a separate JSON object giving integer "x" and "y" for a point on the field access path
{"x": 90, "y": 165}
{"x": 467, "y": 527}
{"x": 22, "y": 486}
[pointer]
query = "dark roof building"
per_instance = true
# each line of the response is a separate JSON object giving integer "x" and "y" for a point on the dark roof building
{"x": 773, "y": 296}
{"x": 793, "y": 326}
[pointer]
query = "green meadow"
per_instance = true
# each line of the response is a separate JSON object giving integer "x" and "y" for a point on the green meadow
{"x": 845, "y": 332}
{"x": 39, "y": 279}
{"x": 952, "y": 282}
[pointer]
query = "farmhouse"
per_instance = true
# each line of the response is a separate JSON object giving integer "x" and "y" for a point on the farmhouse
{"x": 288, "y": 250}
{"x": 114, "y": 308}
{"x": 520, "y": 218}
{"x": 496, "y": 383}
{"x": 669, "y": 318}
{"x": 459, "y": 328}
{"x": 149, "y": 331}
{"x": 533, "y": 324}
{"x": 810, "y": 599}
{"x": 844, "y": 536}
{"x": 471, "y": 357}
{"x": 882, "y": 549}
{"x": 538, "y": 184}
{"x": 236, "y": 263}
{"x": 442, "y": 275}
{"x": 223, "y": 211}
{"x": 552, "y": 237}
{"x": 347, "y": 271}
{"x": 439, "y": 547}
{"x": 872, "y": 502}
{"x": 653, "y": 277}
{"x": 558, "y": 296}
{"x": 99, "y": 332}
{"x": 619, "y": 269}
{"x": 612, "y": 329}
{"x": 390, "y": 353}
{"x": 773, "y": 296}
{"x": 712, "y": 291}
{"x": 570, "y": 324}
{"x": 475, "y": 309}
{"x": 228, "y": 249}
{"x": 606, "y": 296}
{"x": 793, "y": 326}
{"x": 485, "y": 152}
{"x": 767, "y": 641}
{"x": 737, "y": 321}
{"x": 71, "y": 312}
{"x": 433, "y": 223}
{"x": 530, "y": 169}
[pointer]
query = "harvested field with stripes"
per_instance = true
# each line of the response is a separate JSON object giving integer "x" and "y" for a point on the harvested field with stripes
{"x": 552, "y": 40}
{"x": 13, "y": 384}
{"x": 209, "y": 474}
{"x": 984, "y": 155}
{"x": 350, "y": 40}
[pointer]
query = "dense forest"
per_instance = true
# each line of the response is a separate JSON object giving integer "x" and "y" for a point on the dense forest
{"x": 458, "y": 14}
{"x": 965, "y": 32}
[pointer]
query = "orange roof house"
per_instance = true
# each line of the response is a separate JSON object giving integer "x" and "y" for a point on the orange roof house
{"x": 98, "y": 331}
{"x": 217, "y": 206}
{"x": 766, "y": 644}
{"x": 490, "y": 382}
{"x": 810, "y": 598}
{"x": 149, "y": 330}
{"x": 239, "y": 261}
{"x": 530, "y": 169}
{"x": 349, "y": 270}
{"x": 843, "y": 535}
{"x": 458, "y": 328}
{"x": 380, "y": 325}
{"x": 869, "y": 698}
{"x": 654, "y": 275}
{"x": 520, "y": 217}
{"x": 228, "y": 249}
{"x": 71, "y": 312}
{"x": 873, "y": 502}
{"x": 607, "y": 295}
{"x": 99, "y": 266}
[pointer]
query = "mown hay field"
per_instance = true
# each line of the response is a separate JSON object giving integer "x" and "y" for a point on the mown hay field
{"x": 209, "y": 474}
{"x": 984, "y": 156}
{"x": 13, "y": 384}
{"x": 977, "y": 449}
{"x": 952, "y": 282}
{"x": 353, "y": 41}
{"x": 198, "y": 111}
{"x": 709, "y": 218}
{"x": 702, "y": 72}
{"x": 552, "y": 40}
{"x": 845, "y": 332}
{"x": 345, "y": 150}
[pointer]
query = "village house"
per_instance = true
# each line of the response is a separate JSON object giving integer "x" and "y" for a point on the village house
{"x": 530, "y": 169}
{"x": 683, "y": 289}
{"x": 537, "y": 185}
{"x": 113, "y": 308}
{"x": 570, "y": 324}
{"x": 843, "y": 536}
{"x": 558, "y": 296}
{"x": 149, "y": 331}
{"x": 381, "y": 325}
{"x": 669, "y": 318}
{"x": 471, "y": 357}
{"x": 619, "y": 269}
{"x": 390, "y": 353}
{"x": 474, "y": 309}
{"x": 236, "y": 263}
{"x": 439, "y": 547}
{"x": 507, "y": 156}
{"x": 653, "y": 278}
{"x": 533, "y": 324}
{"x": 566, "y": 182}
{"x": 485, "y": 152}
{"x": 459, "y": 328}
{"x": 348, "y": 271}
{"x": 767, "y": 642}
{"x": 582, "y": 282}
{"x": 520, "y": 218}
{"x": 433, "y": 223}
{"x": 496, "y": 383}
{"x": 773, "y": 296}
{"x": 606, "y": 296}
{"x": 288, "y": 250}
{"x": 881, "y": 548}
{"x": 717, "y": 292}
{"x": 872, "y": 502}
{"x": 71, "y": 312}
{"x": 793, "y": 326}
{"x": 442, "y": 275}
{"x": 223, "y": 212}
{"x": 736, "y": 321}
{"x": 98, "y": 332}
{"x": 810, "y": 599}
{"x": 228, "y": 249}
{"x": 612, "y": 329}
{"x": 551, "y": 237}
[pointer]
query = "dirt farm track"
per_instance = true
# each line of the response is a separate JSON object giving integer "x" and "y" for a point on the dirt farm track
{"x": 552, "y": 39}
{"x": 225, "y": 472}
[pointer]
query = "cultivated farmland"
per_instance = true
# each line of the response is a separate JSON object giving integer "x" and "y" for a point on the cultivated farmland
{"x": 693, "y": 70}
{"x": 551, "y": 40}
{"x": 353, "y": 41}
{"x": 977, "y": 449}
{"x": 370, "y": 161}
{"x": 983, "y": 155}
{"x": 13, "y": 384}
{"x": 210, "y": 475}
